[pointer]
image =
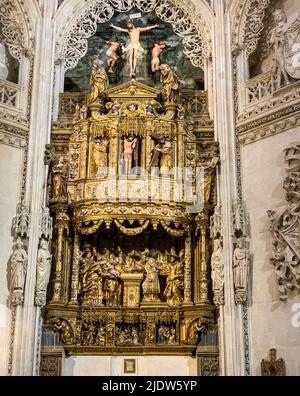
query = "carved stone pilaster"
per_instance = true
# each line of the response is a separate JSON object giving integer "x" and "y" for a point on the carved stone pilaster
{"x": 285, "y": 227}
{"x": 75, "y": 270}
{"x": 208, "y": 361}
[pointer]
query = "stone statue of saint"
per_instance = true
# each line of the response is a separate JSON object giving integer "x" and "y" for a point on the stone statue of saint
{"x": 98, "y": 82}
{"x": 18, "y": 267}
{"x": 240, "y": 265}
{"x": 217, "y": 267}
{"x": 60, "y": 174}
{"x": 43, "y": 271}
{"x": 170, "y": 82}
{"x": 278, "y": 42}
{"x": 100, "y": 149}
{"x": 130, "y": 153}
{"x": 135, "y": 46}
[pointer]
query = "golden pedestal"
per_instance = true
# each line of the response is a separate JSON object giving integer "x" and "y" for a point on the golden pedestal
{"x": 132, "y": 285}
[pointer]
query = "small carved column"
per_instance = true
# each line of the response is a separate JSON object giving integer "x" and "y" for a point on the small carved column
{"x": 62, "y": 225}
{"x": 114, "y": 155}
{"x": 203, "y": 224}
{"x": 75, "y": 269}
{"x": 180, "y": 148}
{"x": 203, "y": 273}
{"x": 187, "y": 270}
{"x": 197, "y": 271}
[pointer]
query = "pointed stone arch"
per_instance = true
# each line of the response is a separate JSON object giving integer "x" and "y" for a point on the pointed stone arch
{"x": 18, "y": 20}
{"x": 192, "y": 23}
{"x": 248, "y": 23}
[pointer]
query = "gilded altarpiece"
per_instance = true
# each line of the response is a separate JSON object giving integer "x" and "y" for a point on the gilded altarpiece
{"x": 131, "y": 189}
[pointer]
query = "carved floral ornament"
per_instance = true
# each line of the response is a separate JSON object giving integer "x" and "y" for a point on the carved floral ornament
{"x": 248, "y": 24}
{"x": 14, "y": 31}
{"x": 193, "y": 29}
{"x": 285, "y": 228}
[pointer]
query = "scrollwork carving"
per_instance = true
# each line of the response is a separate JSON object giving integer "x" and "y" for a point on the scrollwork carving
{"x": 285, "y": 228}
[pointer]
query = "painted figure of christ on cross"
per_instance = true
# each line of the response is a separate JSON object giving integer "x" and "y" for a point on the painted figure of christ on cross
{"x": 134, "y": 46}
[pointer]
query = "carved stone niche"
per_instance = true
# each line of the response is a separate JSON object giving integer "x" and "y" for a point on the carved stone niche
{"x": 51, "y": 361}
{"x": 208, "y": 361}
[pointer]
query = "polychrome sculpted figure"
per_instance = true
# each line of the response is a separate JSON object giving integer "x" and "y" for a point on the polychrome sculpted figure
{"x": 98, "y": 82}
{"x": 171, "y": 83}
{"x": 135, "y": 46}
{"x": 83, "y": 112}
{"x": 166, "y": 157}
{"x": 181, "y": 112}
{"x": 155, "y": 53}
{"x": 18, "y": 267}
{"x": 116, "y": 107}
{"x": 171, "y": 336}
{"x": 129, "y": 152}
{"x": 278, "y": 43}
{"x": 60, "y": 174}
{"x": 240, "y": 265}
{"x": 150, "y": 286}
{"x": 65, "y": 330}
{"x": 174, "y": 280}
{"x": 100, "y": 149}
{"x": 112, "y": 56}
{"x": 90, "y": 278}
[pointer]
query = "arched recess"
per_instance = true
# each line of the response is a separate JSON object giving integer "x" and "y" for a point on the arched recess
{"x": 76, "y": 21}
{"x": 247, "y": 18}
{"x": 18, "y": 21}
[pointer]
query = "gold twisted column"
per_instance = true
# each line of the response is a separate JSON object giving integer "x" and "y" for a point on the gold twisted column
{"x": 187, "y": 300}
{"x": 75, "y": 270}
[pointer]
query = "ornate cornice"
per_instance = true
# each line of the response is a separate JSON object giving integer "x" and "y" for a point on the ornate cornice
{"x": 13, "y": 136}
{"x": 272, "y": 124}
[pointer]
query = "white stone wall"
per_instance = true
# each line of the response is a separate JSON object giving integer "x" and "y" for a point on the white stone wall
{"x": 145, "y": 366}
{"x": 10, "y": 185}
{"x": 263, "y": 173}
